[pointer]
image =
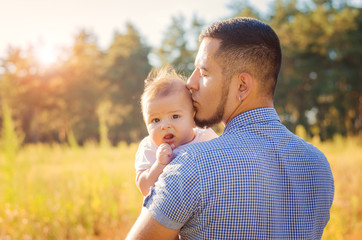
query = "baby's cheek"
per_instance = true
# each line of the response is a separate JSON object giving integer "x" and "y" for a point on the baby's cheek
{"x": 153, "y": 136}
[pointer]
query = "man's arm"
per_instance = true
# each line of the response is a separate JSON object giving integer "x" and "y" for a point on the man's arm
{"x": 146, "y": 227}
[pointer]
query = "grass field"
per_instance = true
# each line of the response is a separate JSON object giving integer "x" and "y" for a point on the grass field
{"x": 56, "y": 192}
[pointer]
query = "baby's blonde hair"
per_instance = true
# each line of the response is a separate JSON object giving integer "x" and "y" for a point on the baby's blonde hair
{"x": 161, "y": 83}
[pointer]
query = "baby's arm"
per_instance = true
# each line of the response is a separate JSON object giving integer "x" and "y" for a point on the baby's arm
{"x": 147, "y": 178}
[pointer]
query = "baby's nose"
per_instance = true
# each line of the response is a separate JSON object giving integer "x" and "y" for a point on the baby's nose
{"x": 165, "y": 126}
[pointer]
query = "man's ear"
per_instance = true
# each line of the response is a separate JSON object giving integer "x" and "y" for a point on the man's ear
{"x": 245, "y": 81}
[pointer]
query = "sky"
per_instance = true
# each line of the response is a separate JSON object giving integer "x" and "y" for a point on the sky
{"x": 50, "y": 24}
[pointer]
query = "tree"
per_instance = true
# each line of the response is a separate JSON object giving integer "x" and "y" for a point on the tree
{"x": 127, "y": 68}
{"x": 22, "y": 88}
{"x": 180, "y": 44}
{"x": 242, "y": 8}
{"x": 82, "y": 88}
{"x": 319, "y": 84}
{"x": 346, "y": 52}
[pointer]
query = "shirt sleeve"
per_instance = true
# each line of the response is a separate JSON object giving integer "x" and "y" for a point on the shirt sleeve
{"x": 145, "y": 155}
{"x": 175, "y": 198}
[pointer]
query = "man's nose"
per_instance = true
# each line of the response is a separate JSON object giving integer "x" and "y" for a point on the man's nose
{"x": 193, "y": 81}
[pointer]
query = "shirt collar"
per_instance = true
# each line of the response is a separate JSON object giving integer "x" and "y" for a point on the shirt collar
{"x": 252, "y": 116}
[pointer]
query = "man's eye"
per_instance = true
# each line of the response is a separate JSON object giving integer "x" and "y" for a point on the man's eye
{"x": 155, "y": 120}
{"x": 203, "y": 74}
{"x": 175, "y": 116}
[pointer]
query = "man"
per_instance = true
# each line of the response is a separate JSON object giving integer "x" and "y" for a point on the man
{"x": 257, "y": 180}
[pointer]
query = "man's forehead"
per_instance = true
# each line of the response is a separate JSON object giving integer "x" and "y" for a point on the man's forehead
{"x": 207, "y": 50}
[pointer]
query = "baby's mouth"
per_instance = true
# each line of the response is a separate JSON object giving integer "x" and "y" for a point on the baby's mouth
{"x": 169, "y": 138}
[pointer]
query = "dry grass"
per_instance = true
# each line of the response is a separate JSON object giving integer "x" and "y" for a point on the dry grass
{"x": 62, "y": 193}
{"x": 345, "y": 158}
{"x": 55, "y": 192}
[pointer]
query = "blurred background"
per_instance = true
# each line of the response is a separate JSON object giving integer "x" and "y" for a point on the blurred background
{"x": 71, "y": 75}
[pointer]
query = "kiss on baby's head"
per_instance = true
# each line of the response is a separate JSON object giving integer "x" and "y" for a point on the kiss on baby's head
{"x": 167, "y": 108}
{"x": 168, "y": 113}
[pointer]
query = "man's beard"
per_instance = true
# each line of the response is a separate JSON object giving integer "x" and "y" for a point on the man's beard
{"x": 219, "y": 113}
{"x": 214, "y": 119}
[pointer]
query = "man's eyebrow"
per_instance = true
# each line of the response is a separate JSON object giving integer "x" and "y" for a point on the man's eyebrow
{"x": 201, "y": 68}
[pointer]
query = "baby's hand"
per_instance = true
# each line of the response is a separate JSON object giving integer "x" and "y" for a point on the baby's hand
{"x": 164, "y": 153}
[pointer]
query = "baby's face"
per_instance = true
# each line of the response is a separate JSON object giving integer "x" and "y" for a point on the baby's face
{"x": 170, "y": 119}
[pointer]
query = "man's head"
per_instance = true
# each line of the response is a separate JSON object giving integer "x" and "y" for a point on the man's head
{"x": 167, "y": 108}
{"x": 243, "y": 55}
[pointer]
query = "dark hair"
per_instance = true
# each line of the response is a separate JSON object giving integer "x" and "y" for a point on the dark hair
{"x": 247, "y": 45}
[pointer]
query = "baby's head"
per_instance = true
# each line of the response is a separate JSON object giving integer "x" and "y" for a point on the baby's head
{"x": 167, "y": 108}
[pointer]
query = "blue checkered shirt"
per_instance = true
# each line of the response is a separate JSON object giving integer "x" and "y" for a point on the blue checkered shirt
{"x": 256, "y": 181}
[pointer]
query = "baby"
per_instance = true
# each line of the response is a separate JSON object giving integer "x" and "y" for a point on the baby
{"x": 169, "y": 116}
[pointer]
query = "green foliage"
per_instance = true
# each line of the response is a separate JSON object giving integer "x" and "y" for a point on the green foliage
{"x": 10, "y": 142}
{"x": 56, "y": 103}
{"x": 319, "y": 85}
{"x": 242, "y": 8}
{"x": 179, "y": 46}
{"x": 103, "y": 112}
{"x": 127, "y": 68}
{"x": 81, "y": 87}
{"x": 317, "y": 50}
{"x": 9, "y": 147}
{"x": 72, "y": 141}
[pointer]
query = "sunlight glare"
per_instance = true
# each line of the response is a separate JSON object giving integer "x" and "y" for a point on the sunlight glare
{"x": 46, "y": 55}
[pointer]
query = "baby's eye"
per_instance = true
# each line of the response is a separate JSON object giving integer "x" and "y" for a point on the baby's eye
{"x": 155, "y": 120}
{"x": 175, "y": 116}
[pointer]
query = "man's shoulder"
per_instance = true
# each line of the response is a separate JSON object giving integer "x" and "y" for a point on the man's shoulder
{"x": 202, "y": 151}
